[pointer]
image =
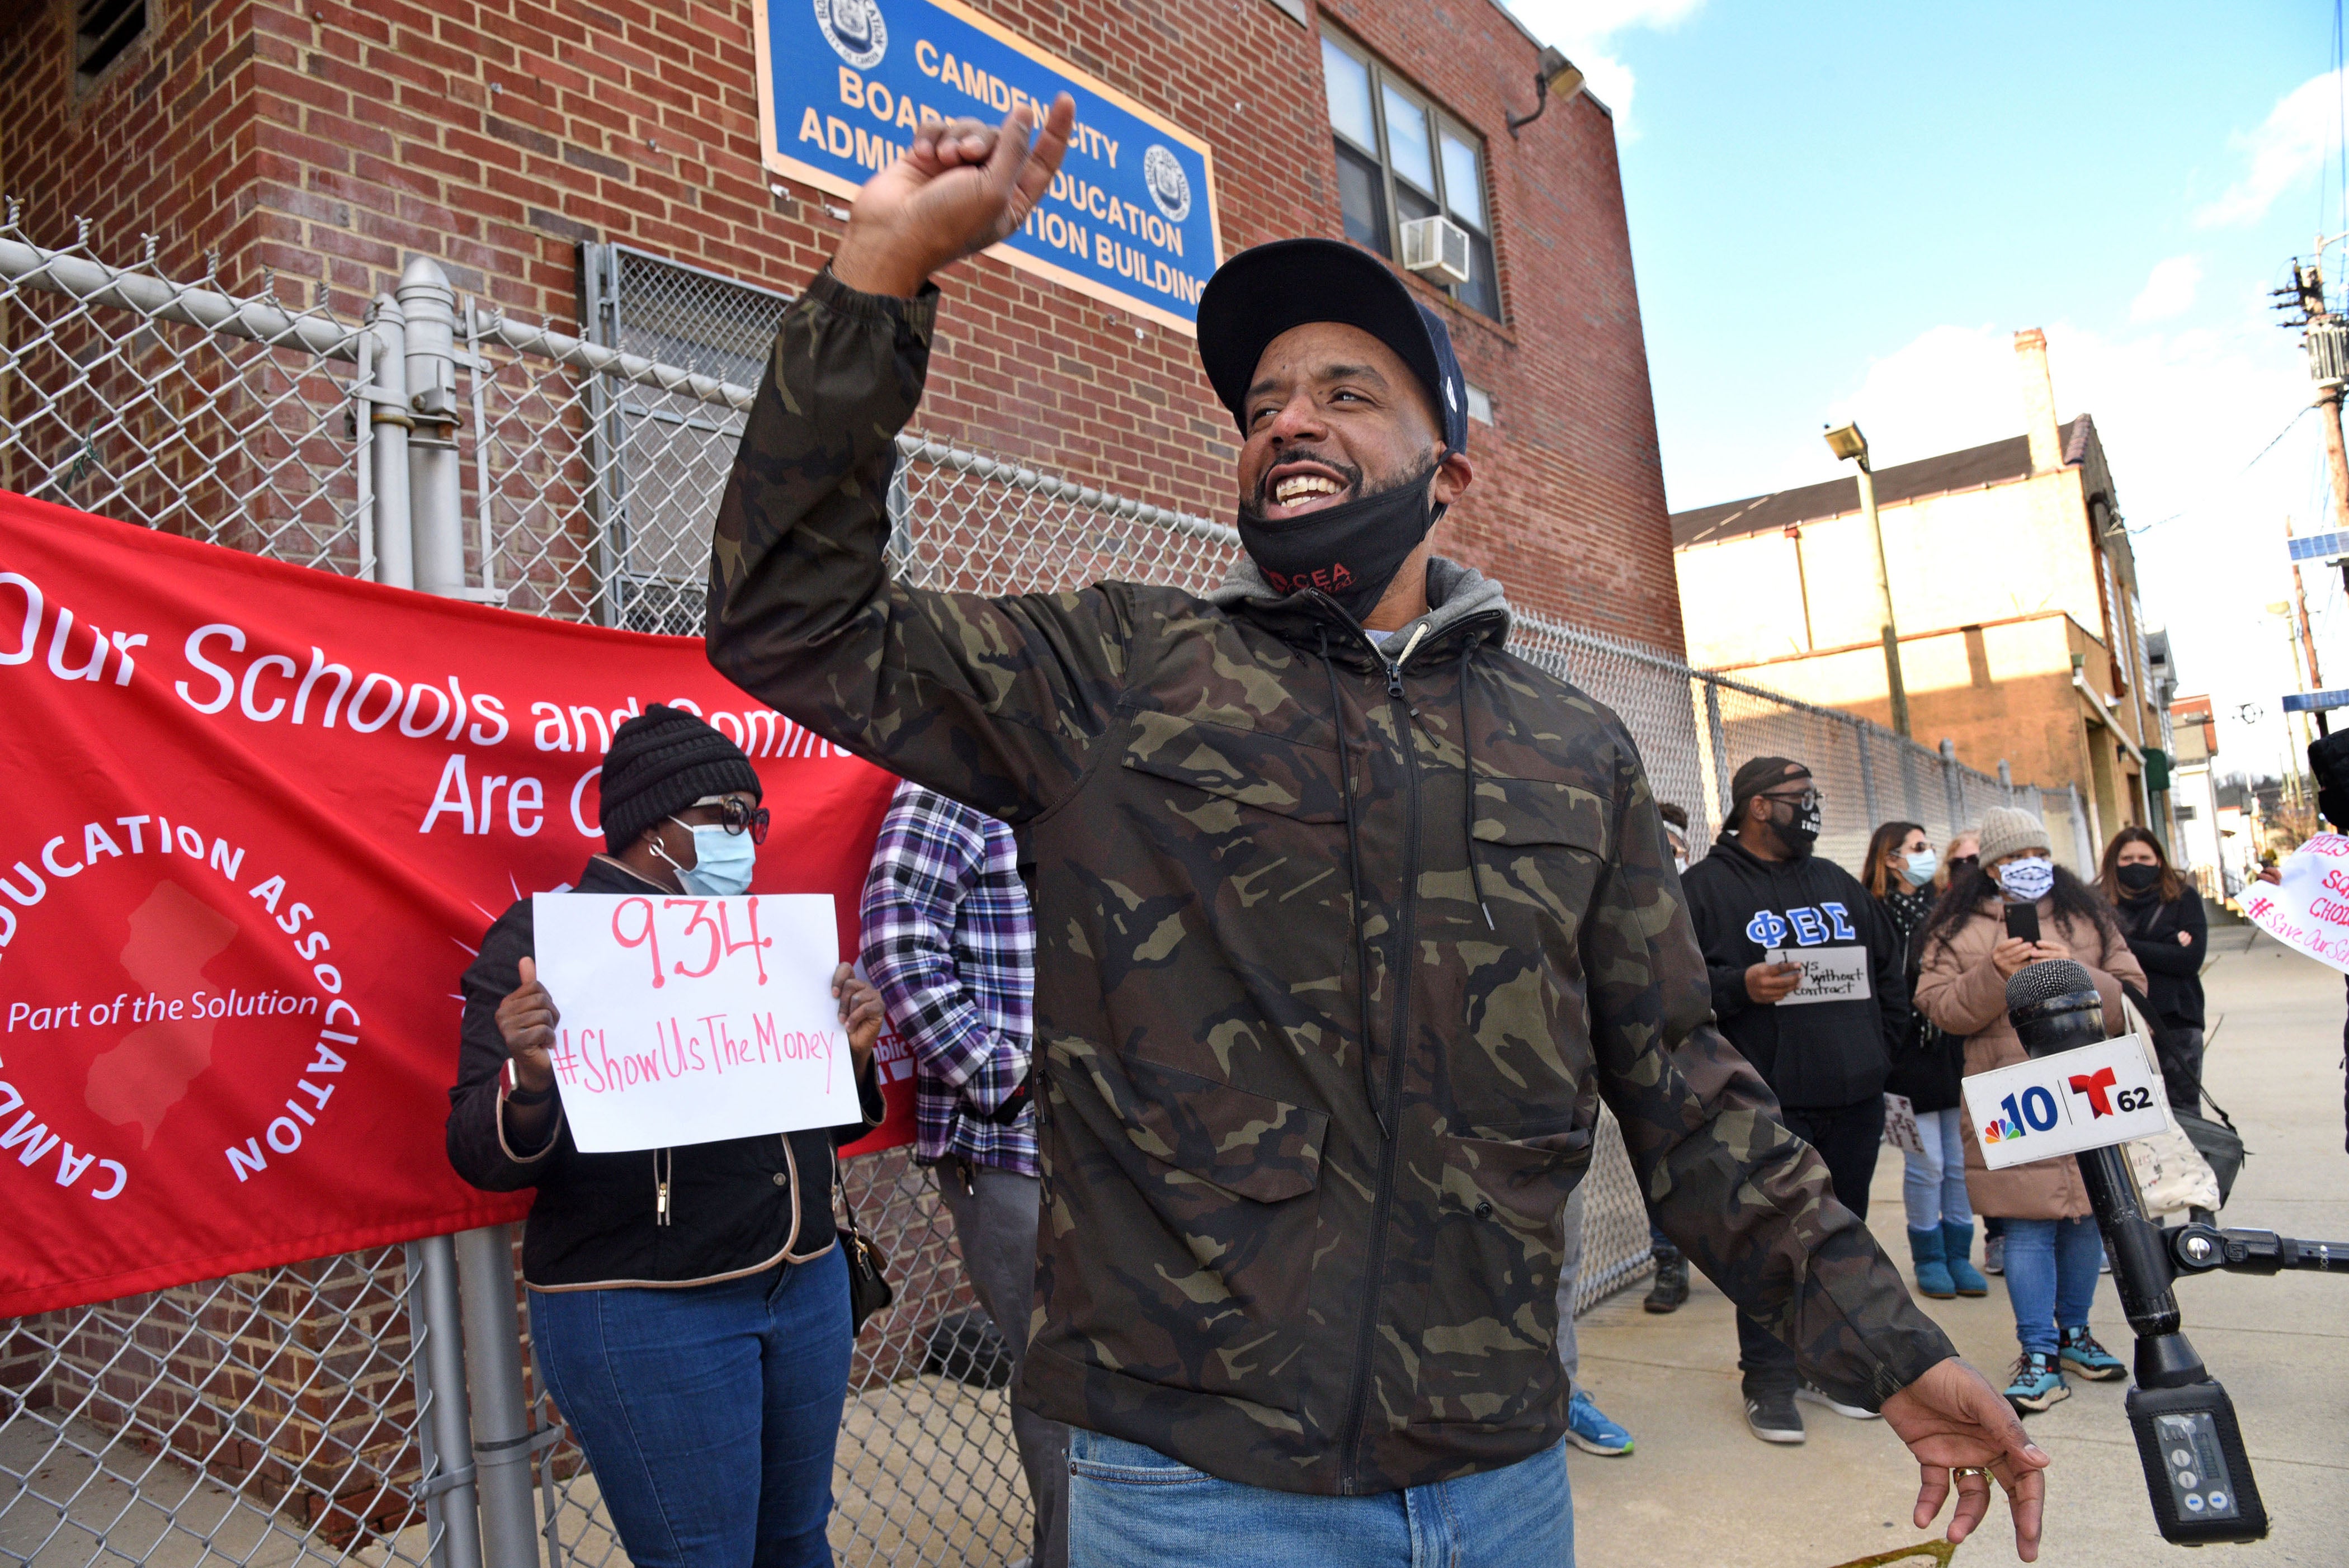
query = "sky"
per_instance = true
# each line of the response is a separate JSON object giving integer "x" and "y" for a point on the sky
{"x": 1845, "y": 212}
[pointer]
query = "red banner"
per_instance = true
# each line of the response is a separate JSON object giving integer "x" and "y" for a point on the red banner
{"x": 256, "y": 818}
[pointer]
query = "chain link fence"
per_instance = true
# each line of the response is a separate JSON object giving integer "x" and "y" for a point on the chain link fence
{"x": 282, "y": 1417}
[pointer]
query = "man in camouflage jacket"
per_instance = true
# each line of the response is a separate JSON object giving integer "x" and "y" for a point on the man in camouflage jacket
{"x": 1340, "y": 945}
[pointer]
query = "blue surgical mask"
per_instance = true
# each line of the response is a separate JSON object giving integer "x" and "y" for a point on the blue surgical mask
{"x": 2029, "y": 880}
{"x": 722, "y": 862}
{"x": 1921, "y": 866}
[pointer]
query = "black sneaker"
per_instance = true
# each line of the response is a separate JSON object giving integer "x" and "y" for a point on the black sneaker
{"x": 1671, "y": 1286}
{"x": 1771, "y": 1413}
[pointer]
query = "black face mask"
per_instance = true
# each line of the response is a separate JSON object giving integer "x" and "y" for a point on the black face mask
{"x": 2139, "y": 879}
{"x": 1351, "y": 551}
{"x": 1800, "y": 832}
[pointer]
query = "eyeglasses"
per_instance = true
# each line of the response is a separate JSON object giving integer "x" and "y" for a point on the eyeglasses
{"x": 738, "y": 816}
{"x": 1807, "y": 799}
{"x": 1964, "y": 862}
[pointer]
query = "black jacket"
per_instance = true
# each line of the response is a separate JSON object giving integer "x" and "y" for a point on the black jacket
{"x": 1816, "y": 1055}
{"x": 1927, "y": 1064}
{"x": 736, "y": 1206}
{"x": 2173, "y": 969}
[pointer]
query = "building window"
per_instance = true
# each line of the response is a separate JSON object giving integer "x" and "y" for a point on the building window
{"x": 1401, "y": 157}
{"x": 661, "y": 460}
{"x": 102, "y": 30}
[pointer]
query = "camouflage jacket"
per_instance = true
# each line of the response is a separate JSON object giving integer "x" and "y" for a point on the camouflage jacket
{"x": 1303, "y": 1172}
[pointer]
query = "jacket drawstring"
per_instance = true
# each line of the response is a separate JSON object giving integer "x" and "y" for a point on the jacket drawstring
{"x": 1353, "y": 880}
{"x": 664, "y": 1167}
{"x": 1468, "y": 765}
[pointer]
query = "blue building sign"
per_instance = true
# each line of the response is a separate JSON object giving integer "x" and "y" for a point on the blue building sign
{"x": 844, "y": 84}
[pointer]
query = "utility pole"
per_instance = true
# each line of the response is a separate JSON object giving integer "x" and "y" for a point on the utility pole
{"x": 1845, "y": 441}
{"x": 2326, "y": 336}
{"x": 2299, "y": 608}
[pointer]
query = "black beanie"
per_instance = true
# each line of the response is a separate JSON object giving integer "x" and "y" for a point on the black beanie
{"x": 1759, "y": 774}
{"x": 662, "y": 761}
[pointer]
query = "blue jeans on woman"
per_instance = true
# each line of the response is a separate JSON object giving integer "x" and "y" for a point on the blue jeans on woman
{"x": 1933, "y": 1187}
{"x": 2051, "y": 1277}
{"x": 709, "y": 1413}
{"x": 1132, "y": 1507}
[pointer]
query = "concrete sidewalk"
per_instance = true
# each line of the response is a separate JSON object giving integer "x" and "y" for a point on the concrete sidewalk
{"x": 1701, "y": 1490}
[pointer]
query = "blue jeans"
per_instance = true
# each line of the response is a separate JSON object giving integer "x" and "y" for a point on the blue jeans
{"x": 2051, "y": 1277}
{"x": 1934, "y": 1186}
{"x": 1132, "y": 1507}
{"x": 707, "y": 1413}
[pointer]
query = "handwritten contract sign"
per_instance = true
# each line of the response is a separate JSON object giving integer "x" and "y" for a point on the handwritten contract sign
{"x": 688, "y": 1020}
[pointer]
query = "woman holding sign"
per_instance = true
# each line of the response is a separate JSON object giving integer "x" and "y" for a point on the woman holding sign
{"x": 2018, "y": 908}
{"x": 689, "y": 1306}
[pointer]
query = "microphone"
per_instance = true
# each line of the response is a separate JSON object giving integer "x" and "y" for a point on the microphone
{"x": 2196, "y": 1470}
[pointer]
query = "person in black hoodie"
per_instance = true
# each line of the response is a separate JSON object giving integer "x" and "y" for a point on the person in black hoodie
{"x": 2161, "y": 914}
{"x": 688, "y": 1306}
{"x": 1770, "y": 917}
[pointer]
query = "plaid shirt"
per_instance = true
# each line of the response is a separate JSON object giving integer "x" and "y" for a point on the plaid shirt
{"x": 950, "y": 942}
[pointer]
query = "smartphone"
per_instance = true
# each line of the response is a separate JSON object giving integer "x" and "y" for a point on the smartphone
{"x": 2023, "y": 922}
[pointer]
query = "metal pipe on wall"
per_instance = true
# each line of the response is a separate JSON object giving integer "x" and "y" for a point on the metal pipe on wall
{"x": 387, "y": 419}
{"x": 437, "y": 476}
{"x": 503, "y": 1429}
{"x": 447, "y": 1418}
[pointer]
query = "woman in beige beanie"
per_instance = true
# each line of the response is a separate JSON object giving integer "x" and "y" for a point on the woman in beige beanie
{"x": 2051, "y": 1249}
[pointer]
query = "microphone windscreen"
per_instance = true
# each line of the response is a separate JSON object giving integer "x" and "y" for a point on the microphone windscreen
{"x": 2051, "y": 977}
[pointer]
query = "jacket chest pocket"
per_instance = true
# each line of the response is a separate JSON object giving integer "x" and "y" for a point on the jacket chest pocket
{"x": 1252, "y": 815}
{"x": 1540, "y": 849}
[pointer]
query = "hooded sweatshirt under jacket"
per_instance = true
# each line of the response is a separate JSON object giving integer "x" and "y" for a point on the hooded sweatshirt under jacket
{"x": 1818, "y": 1055}
{"x": 1303, "y": 1170}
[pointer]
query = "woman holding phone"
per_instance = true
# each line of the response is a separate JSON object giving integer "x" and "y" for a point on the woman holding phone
{"x": 2018, "y": 907}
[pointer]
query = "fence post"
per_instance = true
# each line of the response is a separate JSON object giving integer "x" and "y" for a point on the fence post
{"x": 436, "y": 473}
{"x": 1866, "y": 771}
{"x": 395, "y": 558}
{"x": 2006, "y": 780}
{"x": 1720, "y": 768}
{"x": 445, "y": 1427}
{"x": 1950, "y": 782}
{"x": 501, "y": 1423}
{"x": 2083, "y": 844}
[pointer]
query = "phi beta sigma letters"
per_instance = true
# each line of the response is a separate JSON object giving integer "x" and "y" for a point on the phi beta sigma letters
{"x": 688, "y": 1020}
{"x": 1834, "y": 965}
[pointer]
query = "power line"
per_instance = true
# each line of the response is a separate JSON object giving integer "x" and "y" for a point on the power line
{"x": 2290, "y": 426}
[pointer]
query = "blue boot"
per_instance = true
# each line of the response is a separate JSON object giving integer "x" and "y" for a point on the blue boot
{"x": 1956, "y": 1242}
{"x": 1932, "y": 1273}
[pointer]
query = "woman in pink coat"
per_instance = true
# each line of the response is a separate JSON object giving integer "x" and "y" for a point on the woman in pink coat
{"x": 2053, "y": 1249}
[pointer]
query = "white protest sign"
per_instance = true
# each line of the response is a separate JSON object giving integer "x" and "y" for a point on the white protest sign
{"x": 2077, "y": 1100}
{"x": 688, "y": 1020}
{"x": 1829, "y": 974}
{"x": 2309, "y": 910}
{"x": 1900, "y": 1128}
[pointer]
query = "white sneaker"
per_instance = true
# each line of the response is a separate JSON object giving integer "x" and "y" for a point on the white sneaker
{"x": 1819, "y": 1395}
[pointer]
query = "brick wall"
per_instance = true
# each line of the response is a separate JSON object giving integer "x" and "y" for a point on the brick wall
{"x": 326, "y": 142}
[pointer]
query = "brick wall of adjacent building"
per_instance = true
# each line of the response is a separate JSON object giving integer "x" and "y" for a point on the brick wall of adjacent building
{"x": 326, "y": 142}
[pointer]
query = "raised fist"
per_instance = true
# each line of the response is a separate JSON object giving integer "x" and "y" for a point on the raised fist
{"x": 962, "y": 186}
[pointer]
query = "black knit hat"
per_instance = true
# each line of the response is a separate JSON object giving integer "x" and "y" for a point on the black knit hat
{"x": 1759, "y": 774}
{"x": 662, "y": 761}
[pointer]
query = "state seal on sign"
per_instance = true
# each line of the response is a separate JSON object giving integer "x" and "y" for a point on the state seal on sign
{"x": 855, "y": 30}
{"x": 1170, "y": 188}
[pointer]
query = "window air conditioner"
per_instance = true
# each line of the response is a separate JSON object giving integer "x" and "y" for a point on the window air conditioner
{"x": 1436, "y": 249}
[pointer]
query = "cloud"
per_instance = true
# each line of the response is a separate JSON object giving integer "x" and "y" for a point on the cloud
{"x": 2291, "y": 146}
{"x": 1585, "y": 29}
{"x": 2169, "y": 290}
